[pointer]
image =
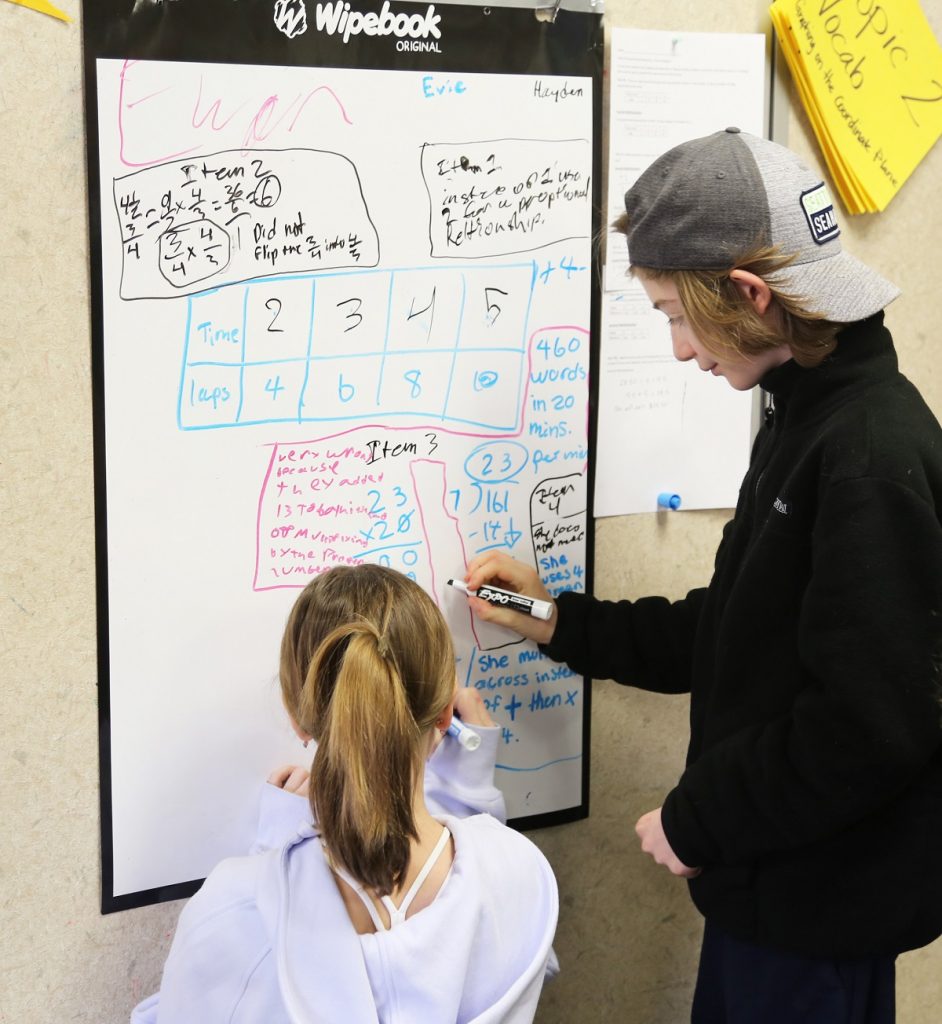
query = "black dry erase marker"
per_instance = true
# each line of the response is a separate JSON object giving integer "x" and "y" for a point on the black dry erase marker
{"x": 507, "y": 599}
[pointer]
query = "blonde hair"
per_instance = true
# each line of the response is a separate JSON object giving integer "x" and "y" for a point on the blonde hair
{"x": 727, "y": 323}
{"x": 367, "y": 666}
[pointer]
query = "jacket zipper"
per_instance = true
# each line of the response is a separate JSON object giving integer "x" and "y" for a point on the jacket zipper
{"x": 771, "y": 426}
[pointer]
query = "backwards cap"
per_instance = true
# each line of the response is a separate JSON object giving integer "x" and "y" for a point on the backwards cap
{"x": 706, "y": 203}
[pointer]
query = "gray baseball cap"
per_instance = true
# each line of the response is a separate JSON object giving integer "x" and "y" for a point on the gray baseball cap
{"x": 705, "y": 203}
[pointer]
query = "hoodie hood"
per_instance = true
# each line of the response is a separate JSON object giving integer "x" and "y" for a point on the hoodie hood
{"x": 483, "y": 944}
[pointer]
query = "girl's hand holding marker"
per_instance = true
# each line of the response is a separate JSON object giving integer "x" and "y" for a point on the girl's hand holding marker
{"x": 470, "y": 709}
{"x": 534, "y": 617}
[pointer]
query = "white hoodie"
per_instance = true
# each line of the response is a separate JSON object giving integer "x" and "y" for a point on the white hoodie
{"x": 267, "y": 940}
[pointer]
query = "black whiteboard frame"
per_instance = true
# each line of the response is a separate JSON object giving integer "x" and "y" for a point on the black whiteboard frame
{"x": 520, "y": 43}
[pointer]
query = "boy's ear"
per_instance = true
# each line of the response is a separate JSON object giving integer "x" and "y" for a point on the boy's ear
{"x": 752, "y": 288}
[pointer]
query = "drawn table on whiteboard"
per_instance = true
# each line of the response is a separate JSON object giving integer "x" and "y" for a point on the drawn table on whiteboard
{"x": 421, "y": 342}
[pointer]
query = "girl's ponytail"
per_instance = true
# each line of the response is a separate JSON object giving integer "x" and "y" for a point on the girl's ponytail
{"x": 367, "y": 667}
{"x": 362, "y": 779}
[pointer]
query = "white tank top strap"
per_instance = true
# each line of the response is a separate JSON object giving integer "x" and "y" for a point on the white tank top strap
{"x": 361, "y": 892}
{"x": 396, "y": 914}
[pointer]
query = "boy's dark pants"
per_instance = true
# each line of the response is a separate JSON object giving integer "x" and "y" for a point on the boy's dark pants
{"x": 740, "y": 983}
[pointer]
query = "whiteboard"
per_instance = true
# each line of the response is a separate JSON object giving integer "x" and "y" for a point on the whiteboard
{"x": 345, "y": 315}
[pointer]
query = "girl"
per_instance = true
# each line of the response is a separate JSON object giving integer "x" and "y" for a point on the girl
{"x": 394, "y": 905}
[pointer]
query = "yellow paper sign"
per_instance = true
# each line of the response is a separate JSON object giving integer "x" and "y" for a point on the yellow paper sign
{"x": 43, "y": 8}
{"x": 870, "y": 76}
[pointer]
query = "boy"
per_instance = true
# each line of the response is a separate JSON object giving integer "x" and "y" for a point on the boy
{"x": 809, "y": 817}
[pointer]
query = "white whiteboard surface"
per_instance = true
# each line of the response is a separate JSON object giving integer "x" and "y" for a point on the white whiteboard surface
{"x": 345, "y": 317}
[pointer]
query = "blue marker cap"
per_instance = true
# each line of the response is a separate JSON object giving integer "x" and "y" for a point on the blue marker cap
{"x": 667, "y": 500}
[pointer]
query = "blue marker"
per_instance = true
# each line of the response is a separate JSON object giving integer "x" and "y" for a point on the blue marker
{"x": 667, "y": 500}
{"x": 468, "y": 738}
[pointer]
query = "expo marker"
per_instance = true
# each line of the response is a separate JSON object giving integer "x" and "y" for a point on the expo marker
{"x": 508, "y": 599}
{"x": 468, "y": 738}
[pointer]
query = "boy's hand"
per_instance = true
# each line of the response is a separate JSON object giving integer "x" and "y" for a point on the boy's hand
{"x": 654, "y": 842}
{"x": 291, "y": 779}
{"x": 503, "y": 571}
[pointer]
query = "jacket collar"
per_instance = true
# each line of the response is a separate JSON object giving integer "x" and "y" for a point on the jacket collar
{"x": 864, "y": 356}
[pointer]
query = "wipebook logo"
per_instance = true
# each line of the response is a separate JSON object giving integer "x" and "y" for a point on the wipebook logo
{"x": 414, "y": 31}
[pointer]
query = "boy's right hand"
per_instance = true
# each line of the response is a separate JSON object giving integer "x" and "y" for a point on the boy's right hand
{"x": 501, "y": 570}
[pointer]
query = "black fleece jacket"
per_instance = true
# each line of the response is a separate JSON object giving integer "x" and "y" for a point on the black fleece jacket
{"x": 812, "y": 796}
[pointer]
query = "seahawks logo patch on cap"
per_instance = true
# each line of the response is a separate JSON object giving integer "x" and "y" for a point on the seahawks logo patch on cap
{"x": 819, "y": 212}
